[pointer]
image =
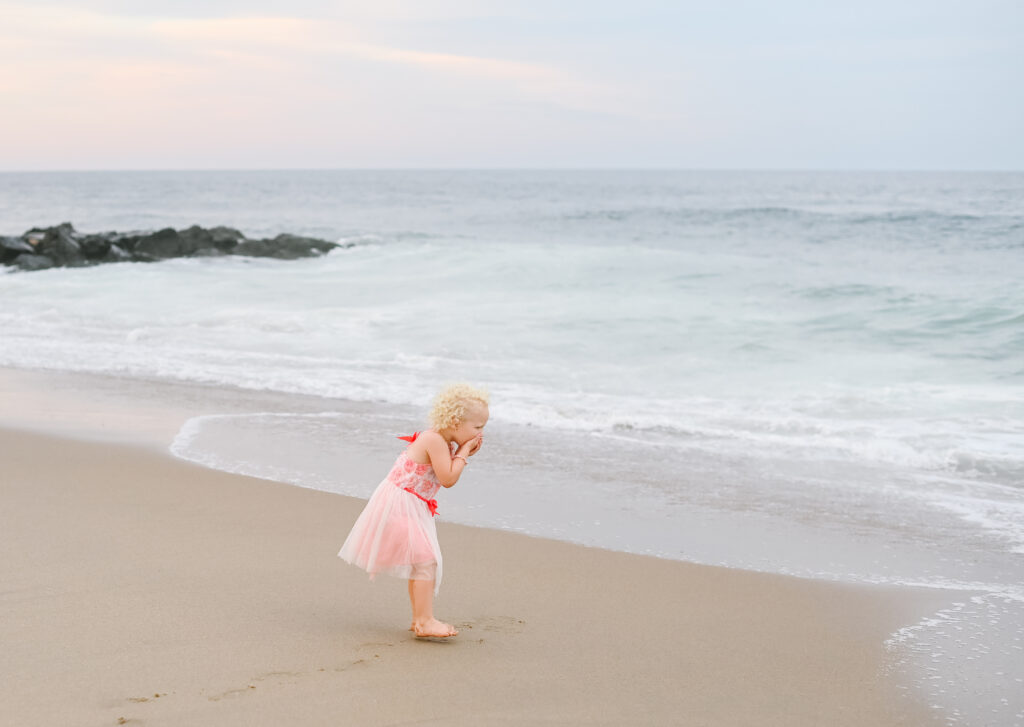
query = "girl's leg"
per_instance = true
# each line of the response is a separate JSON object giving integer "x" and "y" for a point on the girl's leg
{"x": 421, "y": 594}
{"x": 412, "y": 627}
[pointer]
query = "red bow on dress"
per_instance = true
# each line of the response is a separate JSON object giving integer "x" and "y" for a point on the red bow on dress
{"x": 431, "y": 504}
{"x": 411, "y": 437}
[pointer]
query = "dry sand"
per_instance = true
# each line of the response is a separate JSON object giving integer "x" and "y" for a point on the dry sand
{"x": 139, "y": 589}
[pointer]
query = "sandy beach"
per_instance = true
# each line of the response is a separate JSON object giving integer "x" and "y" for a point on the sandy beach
{"x": 141, "y": 589}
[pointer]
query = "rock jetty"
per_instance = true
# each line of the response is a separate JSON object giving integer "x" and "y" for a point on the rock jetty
{"x": 63, "y": 246}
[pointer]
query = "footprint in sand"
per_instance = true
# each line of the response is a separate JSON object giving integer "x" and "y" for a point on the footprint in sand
{"x": 346, "y": 667}
{"x": 231, "y": 693}
{"x": 499, "y": 624}
{"x": 374, "y": 644}
{"x": 278, "y": 679}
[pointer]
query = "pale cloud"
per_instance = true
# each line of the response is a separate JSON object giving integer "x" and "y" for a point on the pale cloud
{"x": 364, "y": 10}
{"x": 317, "y": 39}
{"x": 267, "y": 43}
{"x": 269, "y": 91}
{"x": 273, "y": 35}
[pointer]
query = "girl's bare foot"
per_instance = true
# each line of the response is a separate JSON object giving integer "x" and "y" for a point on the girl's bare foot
{"x": 435, "y": 629}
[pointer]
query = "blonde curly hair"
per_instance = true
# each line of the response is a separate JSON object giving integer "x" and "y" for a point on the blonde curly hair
{"x": 452, "y": 402}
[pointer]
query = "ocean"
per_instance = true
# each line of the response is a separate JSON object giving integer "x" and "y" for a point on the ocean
{"x": 818, "y": 374}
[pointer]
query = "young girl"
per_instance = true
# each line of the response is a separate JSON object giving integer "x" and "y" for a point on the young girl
{"x": 395, "y": 533}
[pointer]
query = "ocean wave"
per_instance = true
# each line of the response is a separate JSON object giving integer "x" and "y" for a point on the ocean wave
{"x": 877, "y": 427}
{"x": 895, "y": 219}
{"x": 850, "y": 290}
{"x": 930, "y": 449}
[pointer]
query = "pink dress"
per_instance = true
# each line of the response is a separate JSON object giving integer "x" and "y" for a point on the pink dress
{"x": 395, "y": 533}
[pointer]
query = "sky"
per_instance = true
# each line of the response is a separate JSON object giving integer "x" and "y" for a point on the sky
{"x": 305, "y": 84}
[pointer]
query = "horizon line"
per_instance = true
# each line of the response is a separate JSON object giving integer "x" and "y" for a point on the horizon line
{"x": 91, "y": 170}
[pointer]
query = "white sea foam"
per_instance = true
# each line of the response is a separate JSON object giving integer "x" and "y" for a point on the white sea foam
{"x": 966, "y": 658}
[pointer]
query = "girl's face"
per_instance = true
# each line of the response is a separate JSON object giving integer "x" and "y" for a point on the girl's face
{"x": 472, "y": 425}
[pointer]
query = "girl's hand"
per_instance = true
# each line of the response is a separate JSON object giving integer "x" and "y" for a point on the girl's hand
{"x": 474, "y": 445}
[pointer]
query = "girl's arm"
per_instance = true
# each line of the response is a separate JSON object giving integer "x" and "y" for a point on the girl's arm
{"x": 446, "y": 467}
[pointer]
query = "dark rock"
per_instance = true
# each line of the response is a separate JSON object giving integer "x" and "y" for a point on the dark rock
{"x": 194, "y": 239}
{"x": 95, "y": 247}
{"x": 11, "y": 247}
{"x": 124, "y": 240}
{"x": 165, "y": 243}
{"x": 34, "y": 237}
{"x": 253, "y": 248}
{"x": 60, "y": 245}
{"x": 308, "y": 246}
{"x": 226, "y": 237}
{"x": 285, "y": 247}
{"x": 26, "y": 261}
{"x": 116, "y": 255}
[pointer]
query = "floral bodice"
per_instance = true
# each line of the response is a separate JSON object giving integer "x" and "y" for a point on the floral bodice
{"x": 419, "y": 478}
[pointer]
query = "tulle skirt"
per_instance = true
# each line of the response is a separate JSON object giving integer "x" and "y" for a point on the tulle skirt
{"x": 395, "y": 534}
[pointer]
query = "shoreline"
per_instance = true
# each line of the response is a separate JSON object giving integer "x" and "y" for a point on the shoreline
{"x": 222, "y": 594}
{"x": 304, "y": 439}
